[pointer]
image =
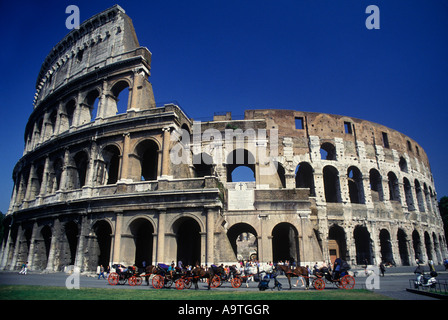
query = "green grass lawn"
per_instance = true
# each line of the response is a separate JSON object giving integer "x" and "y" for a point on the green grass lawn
{"x": 18, "y": 292}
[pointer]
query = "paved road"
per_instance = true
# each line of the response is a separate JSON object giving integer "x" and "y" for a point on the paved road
{"x": 393, "y": 284}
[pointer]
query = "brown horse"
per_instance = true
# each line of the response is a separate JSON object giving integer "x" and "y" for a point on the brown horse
{"x": 149, "y": 270}
{"x": 297, "y": 272}
{"x": 200, "y": 273}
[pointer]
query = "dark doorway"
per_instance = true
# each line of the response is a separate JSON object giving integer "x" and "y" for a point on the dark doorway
{"x": 103, "y": 233}
{"x": 244, "y": 242}
{"x": 285, "y": 243}
{"x": 403, "y": 247}
{"x": 363, "y": 245}
{"x": 386, "y": 247}
{"x": 188, "y": 239}
{"x": 142, "y": 231}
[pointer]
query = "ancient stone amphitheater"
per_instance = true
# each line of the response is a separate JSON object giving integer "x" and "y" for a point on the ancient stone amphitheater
{"x": 109, "y": 176}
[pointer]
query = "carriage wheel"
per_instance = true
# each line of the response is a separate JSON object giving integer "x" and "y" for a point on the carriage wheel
{"x": 348, "y": 282}
{"x": 132, "y": 281}
{"x": 236, "y": 282}
{"x": 319, "y": 284}
{"x": 157, "y": 282}
{"x": 112, "y": 279}
{"x": 180, "y": 284}
{"x": 138, "y": 280}
{"x": 168, "y": 283}
{"x": 216, "y": 282}
{"x": 187, "y": 282}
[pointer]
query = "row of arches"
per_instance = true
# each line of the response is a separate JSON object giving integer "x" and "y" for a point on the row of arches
{"x": 78, "y": 110}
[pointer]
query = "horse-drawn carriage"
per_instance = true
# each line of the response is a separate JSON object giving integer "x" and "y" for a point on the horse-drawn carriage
{"x": 123, "y": 275}
{"x": 339, "y": 276}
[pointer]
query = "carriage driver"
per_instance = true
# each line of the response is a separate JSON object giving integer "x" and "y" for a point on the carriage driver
{"x": 171, "y": 269}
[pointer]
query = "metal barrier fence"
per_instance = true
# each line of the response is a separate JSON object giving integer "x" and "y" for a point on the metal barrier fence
{"x": 440, "y": 287}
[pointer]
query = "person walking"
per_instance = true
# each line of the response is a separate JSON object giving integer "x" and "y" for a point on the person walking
{"x": 101, "y": 273}
{"x": 24, "y": 268}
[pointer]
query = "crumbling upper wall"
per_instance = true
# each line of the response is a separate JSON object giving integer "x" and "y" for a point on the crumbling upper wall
{"x": 99, "y": 41}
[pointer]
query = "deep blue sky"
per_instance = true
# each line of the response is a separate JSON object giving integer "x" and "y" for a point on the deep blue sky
{"x": 232, "y": 55}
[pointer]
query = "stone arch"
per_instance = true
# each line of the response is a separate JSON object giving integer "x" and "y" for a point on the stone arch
{"x": 147, "y": 152}
{"x": 331, "y": 184}
{"x": 89, "y": 107}
{"x": 305, "y": 177}
{"x": 237, "y": 159}
{"x": 419, "y": 196}
{"x": 141, "y": 230}
{"x": 402, "y": 163}
{"x": 328, "y": 151}
{"x": 81, "y": 162}
{"x": 337, "y": 242}
{"x": 120, "y": 96}
{"x": 102, "y": 242}
{"x": 403, "y": 249}
{"x": 187, "y": 231}
{"x": 417, "y": 244}
{"x": 109, "y": 170}
{"x": 408, "y": 194}
{"x": 285, "y": 243}
{"x": 394, "y": 187}
{"x": 70, "y": 243}
{"x": 376, "y": 185}
{"x": 363, "y": 244}
{"x": 355, "y": 185}
{"x": 386, "y": 247}
{"x": 244, "y": 240}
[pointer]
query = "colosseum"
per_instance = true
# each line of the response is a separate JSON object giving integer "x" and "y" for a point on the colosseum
{"x": 99, "y": 183}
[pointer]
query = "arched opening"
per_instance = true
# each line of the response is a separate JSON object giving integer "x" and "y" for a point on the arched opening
{"x": 71, "y": 237}
{"x": 386, "y": 247}
{"x": 394, "y": 187}
{"x": 91, "y": 101}
{"x": 148, "y": 151}
{"x": 327, "y": 151}
{"x": 46, "y": 239}
{"x": 142, "y": 231}
{"x": 285, "y": 243}
{"x": 403, "y": 165}
{"x": 331, "y": 184}
{"x": 202, "y": 165}
{"x": 111, "y": 157}
{"x": 419, "y": 195}
{"x": 337, "y": 244}
{"x": 103, "y": 232}
{"x": 81, "y": 163}
{"x": 408, "y": 194}
{"x": 57, "y": 175}
{"x": 428, "y": 246}
{"x": 240, "y": 166}
{"x": 403, "y": 247}
{"x": 363, "y": 245}
{"x": 244, "y": 242}
{"x": 376, "y": 186}
{"x": 305, "y": 178}
{"x": 281, "y": 175}
{"x": 70, "y": 111}
{"x": 188, "y": 240}
{"x": 355, "y": 187}
{"x": 417, "y": 244}
{"x": 120, "y": 91}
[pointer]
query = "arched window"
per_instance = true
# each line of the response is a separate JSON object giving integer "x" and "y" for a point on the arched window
{"x": 355, "y": 186}
{"x": 394, "y": 187}
{"x": 327, "y": 151}
{"x": 331, "y": 184}
{"x": 147, "y": 152}
{"x": 419, "y": 194}
{"x": 305, "y": 177}
{"x": 240, "y": 166}
{"x": 120, "y": 91}
{"x": 111, "y": 157}
{"x": 376, "y": 186}
{"x": 408, "y": 194}
{"x": 403, "y": 164}
{"x": 81, "y": 163}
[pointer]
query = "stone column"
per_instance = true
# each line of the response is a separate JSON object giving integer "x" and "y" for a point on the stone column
{"x": 16, "y": 248}
{"x": 166, "y": 152}
{"x": 31, "y": 254}
{"x": 53, "y": 245}
{"x": 117, "y": 237}
{"x": 210, "y": 258}
{"x": 80, "y": 257}
{"x": 125, "y": 156}
{"x": 160, "y": 257}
